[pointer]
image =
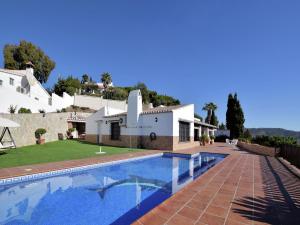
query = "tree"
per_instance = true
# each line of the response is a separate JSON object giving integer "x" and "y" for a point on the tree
{"x": 247, "y": 134}
{"x": 222, "y": 126}
{"x": 214, "y": 120}
{"x": 16, "y": 57}
{"x": 209, "y": 107}
{"x": 234, "y": 116}
{"x": 70, "y": 85}
{"x": 106, "y": 80}
{"x": 144, "y": 91}
{"x": 85, "y": 78}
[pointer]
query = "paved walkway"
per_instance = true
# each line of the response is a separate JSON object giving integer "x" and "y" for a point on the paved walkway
{"x": 242, "y": 189}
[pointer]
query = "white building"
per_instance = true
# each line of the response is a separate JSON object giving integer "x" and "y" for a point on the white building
{"x": 20, "y": 88}
{"x": 166, "y": 128}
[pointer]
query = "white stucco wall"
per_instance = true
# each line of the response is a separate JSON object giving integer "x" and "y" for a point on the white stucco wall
{"x": 92, "y": 121}
{"x": 35, "y": 96}
{"x": 186, "y": 114}
{"x": 97, "y": 103}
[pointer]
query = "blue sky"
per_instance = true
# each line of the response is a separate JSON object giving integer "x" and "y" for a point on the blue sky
{"x": 198, "y": 51}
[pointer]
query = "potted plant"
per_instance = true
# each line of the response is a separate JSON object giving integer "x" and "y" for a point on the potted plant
{"x": 39, "y": 134}
{"x": 204, "y": 139}
{"x": 212, "y": 139}
{"x": 71, "y": 133}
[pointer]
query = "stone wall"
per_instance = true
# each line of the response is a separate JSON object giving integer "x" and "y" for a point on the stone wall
{"x": 54, "y": 123}
{"x": 258, "y": 149}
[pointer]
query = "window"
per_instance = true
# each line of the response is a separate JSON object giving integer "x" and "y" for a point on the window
{"x": 196, "y": 135}
{"x": 184, "y": 131}
{"x": 1, "y": 83}
{"x": 49, "y": 101}
{"x": 11, "y": 81}
{"x": 115, "y": 131}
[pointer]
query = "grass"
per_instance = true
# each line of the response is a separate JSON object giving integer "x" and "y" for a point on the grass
{"x": 54, "y": 152}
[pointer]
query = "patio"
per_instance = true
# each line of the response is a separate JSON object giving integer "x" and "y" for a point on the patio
{"x": 243, "y": 189}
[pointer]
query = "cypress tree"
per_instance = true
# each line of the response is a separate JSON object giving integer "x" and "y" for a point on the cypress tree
{"x": 234, "y": 117}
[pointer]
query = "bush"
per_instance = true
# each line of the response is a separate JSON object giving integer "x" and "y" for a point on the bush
{"x": 212, "y": 137}
{"x": 274, "y": 141}
{"x": 39, "y": 132}
{"x": 204, "y": 138}
{"x": 24, "y": 110}
{"x": 70, "y": 130}
{"x": 221, "y": 138}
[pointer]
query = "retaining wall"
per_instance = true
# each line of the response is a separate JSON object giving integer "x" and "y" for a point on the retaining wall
{"x": 54, "y": 123}
{"x": 258, "y": 149}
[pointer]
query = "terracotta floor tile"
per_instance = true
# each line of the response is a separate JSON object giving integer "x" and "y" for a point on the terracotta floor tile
{"x": 191, "y": 213}
{"x": 211, "y": 219}
{"x": 180, "y": 220}
{"x": 217, "y": 211}
{"x": 152, "y": 219}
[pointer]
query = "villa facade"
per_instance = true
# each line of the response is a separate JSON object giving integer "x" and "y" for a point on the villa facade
{"x": 21, "y": 89}
{"x": 164, "y": 127}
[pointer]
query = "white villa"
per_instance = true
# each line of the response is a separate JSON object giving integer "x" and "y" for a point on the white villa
{"x": 165, "y": 128}
{"x": 20, "y": 88}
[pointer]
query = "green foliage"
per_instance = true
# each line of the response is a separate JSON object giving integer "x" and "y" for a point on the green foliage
{"x": 16, "y": 56}
{"x": 234, "y": 117}
{"x": 144, "y": 90}
{"x": 196, "y": 115}
{"x": 247, "y": 134}
{"x": 106, "y": 80}
{"x": 222, "y": 126}
{"x": 24, "y": 110}
{"x": 12, "y": 109}
{"x": 70, "y": 85}
{"x": 204, "y": 138}
{"x": 115, "y": 93}
{"x": 39, "y": 132}
{"x": 72, "y": 129}
{"x": 214, "y": 120}
{"x": 209, "y": 107}
{"x": 85, "y": 78}
{"x": 274, "y": 141}
{"x": 212, "y": 137}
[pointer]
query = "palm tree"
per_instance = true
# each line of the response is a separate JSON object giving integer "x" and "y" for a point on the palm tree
{"x": 106, "y": 80}
{"x": 209, "y": 107}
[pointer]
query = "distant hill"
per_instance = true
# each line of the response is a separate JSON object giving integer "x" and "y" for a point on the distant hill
{"x": 275, "y": 132}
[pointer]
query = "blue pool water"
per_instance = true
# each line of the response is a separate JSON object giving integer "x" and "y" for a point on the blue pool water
{"x": 113, "y": 194}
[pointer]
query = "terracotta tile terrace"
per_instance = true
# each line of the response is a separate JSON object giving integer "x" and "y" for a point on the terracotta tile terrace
{"x": 243, "y": 189}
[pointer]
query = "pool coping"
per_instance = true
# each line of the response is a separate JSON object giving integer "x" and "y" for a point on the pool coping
{"x": 52, "y": 173}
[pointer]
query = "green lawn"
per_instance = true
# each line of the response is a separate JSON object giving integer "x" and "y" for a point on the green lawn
{"x": 55, "y": 151}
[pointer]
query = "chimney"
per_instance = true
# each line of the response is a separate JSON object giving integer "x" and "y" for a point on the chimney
{"x": 135, "y": 108}
{"x": 29, "y": 67}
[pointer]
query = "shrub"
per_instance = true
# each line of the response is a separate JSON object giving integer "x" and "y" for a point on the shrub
{"x": 12, "y": 109}
{"x": 24, "y": 110}
{"x": 204, "y": 138}
{"x": 221, "y": 138}
{"x": 274, "y": 141}
{"x": 212, "y": 137}
{"x": 39, "y": 132}
{"x": 70, "y": 130}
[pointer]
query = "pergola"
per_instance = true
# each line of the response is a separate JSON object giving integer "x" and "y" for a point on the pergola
{"x": 6, "y": 124}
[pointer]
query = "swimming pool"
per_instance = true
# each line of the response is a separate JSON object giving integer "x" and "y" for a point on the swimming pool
{"x": 116, "y": 193}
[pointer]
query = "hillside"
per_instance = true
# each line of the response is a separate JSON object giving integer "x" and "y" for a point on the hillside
{"x": 275, "y": 132}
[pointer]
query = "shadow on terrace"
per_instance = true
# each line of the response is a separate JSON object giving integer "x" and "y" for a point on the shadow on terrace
{"x": 279, "y": 200}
